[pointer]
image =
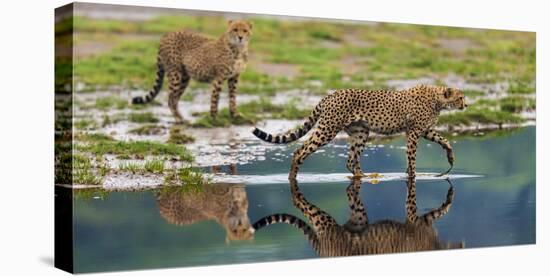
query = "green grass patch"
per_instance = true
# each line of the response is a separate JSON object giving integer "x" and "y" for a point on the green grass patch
{"x": 149, "y": 129}
{"x": 473, "y": 93}
{"x": 154, "y": 166}
{"x": 176, "y": 136}
{"x": 521, "y": 88}
{"x": 106, "y": 103}
{"x": 93, "y": 137}
{"x": 190, "y": 179}
{"x": 517, "y": 104}
{"x": 137, "y": 149}
{"x": 129, "y": 166}
{"x": 188, "y": 97}
{"x": 83, "y": 172}
{"x": 85, "y": 124}
{"x": 223, "y": 120}
{"x": 253, "y": 111}
{"x": 144, "y": 117}
{"x": 479, "y": 115}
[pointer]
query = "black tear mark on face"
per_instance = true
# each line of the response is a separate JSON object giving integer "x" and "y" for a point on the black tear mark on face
{"x": 448, "y": 93}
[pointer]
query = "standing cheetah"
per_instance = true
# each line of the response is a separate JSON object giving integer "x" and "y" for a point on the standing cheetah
{"x": 184, "y": 55}
{"x": 359, "y": 112}
{"x": 359, "y": 236}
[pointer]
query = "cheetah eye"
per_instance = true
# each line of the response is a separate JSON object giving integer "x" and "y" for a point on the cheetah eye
{"x": 235, "y": 30}
{"x": 245, "y": 31}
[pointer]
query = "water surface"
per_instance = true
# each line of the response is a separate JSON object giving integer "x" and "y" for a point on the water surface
{"x": 128, "y": 230}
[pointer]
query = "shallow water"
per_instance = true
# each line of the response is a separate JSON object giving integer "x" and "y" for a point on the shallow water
{"x": 131, "y": 230}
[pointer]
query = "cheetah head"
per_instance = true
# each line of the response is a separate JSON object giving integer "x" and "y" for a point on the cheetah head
{"x": 239, "y": 32}
{"x": 236, "y": 223}
{"x": 451, "y": 98}
{"x": 239, "y": 228}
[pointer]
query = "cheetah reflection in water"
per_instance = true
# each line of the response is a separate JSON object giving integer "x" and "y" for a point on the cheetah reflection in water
{"x": 227, "y": 204}
{"x": 358, "y": 236}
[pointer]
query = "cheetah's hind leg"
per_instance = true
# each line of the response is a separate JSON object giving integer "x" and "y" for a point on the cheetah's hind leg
{"x": 357, "y": 141}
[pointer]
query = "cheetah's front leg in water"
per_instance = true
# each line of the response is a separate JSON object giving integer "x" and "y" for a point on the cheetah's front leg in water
{"x": 433, "y": 136}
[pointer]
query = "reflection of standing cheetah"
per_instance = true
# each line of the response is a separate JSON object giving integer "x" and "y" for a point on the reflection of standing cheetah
{"x": 227, "y": 204}
{"x": 184, "y": 55}
{"x": 359, "y": 112}
{"x": 358, "y": 236}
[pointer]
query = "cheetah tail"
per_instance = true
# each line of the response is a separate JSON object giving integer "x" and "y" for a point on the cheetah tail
{"x": 292, "y": 135}
{"x": 283, "y": 218}
{"x": 156, "y": 88}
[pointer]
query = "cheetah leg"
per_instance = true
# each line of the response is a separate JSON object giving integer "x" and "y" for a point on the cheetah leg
{"x": 357, "y": 141}
{"x": 315, "y": 141}
{"x": 444, "y": 208}
{"x": 232, "y": 86}
{"x": 318, "y": 218}
{"x": 177, "y": 84}
{"x": 358, "y": 218}
{"x": 410, "y": 204}
{"x": 412, "y": 141}
{"x": 216, "y": 89}
{"x": 433, "y": 136}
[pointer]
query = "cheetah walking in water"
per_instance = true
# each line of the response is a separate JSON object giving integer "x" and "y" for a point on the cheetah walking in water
{"x": 184, "y": 55}
{"x": 360, "y": 112}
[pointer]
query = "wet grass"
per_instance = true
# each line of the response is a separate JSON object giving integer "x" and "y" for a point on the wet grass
{"x": 190, "y": 179}
{"x": 137, "y": 149}
{"x": 148, "y": 129}
{"x": 177, "y": 136}
{"x": 473, "y": 93}
{"x": 223, "y": 120}
{"x": 515, "y": 104}
{"x": 83, "y": 172}
{"x": 143, "y": 117}
{"x": 93, "y": 137}
{"x": 253, "y": 111}
{"x": 521, "y": 88}
{"x": 129, "y": 166}
{"x": 479, "y": 115}
{"x": 112, "y": 102}
{"x": 154, "y": 166}
{"x": 85, "y": 124}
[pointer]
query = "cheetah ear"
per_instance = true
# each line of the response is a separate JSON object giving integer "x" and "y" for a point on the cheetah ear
{"x": 448, "y": 93}
{"x": 229, "y": 22}
{"x": 249, "y": 24}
